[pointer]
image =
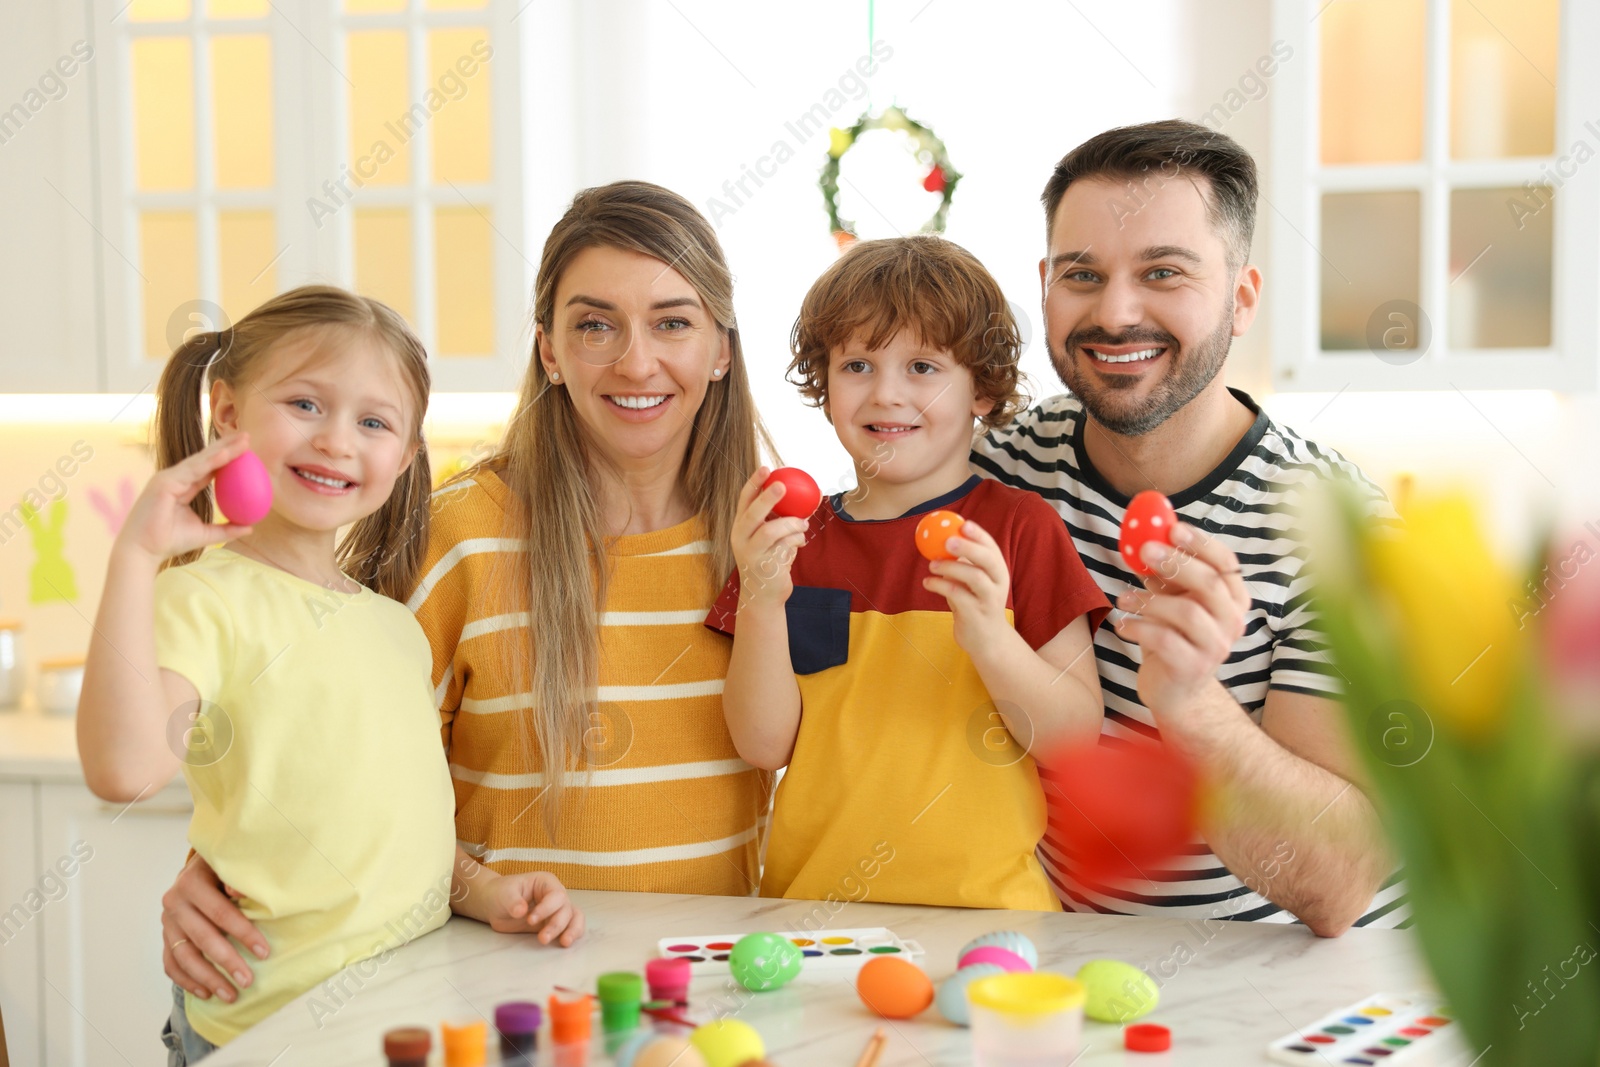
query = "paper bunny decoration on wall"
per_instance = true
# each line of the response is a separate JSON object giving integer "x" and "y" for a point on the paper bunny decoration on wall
{"x": 114, "y": 514}
{"x": 51, "y": 578}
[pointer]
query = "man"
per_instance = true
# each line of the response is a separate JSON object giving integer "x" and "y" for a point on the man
{"x": 1145, "y": 284}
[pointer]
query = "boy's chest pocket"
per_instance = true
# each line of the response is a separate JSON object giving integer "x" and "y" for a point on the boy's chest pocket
{"x": 819, "y": 628}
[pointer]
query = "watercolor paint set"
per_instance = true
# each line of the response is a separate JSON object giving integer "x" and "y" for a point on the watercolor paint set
{"x": 836, "y": 951}
{"x": 1408, "y": 1031}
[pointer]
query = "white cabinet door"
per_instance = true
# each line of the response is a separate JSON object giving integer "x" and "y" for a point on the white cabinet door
{"x": 49, "y": 287}
{"x": 21, "y": 901}
{"x": 105, "y": 997}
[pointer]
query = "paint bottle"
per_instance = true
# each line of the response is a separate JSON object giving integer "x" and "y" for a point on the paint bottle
{"x": 407, "y": 1046}
{"x": 669, "y": 980}
{"x": 1020, "y": 1019}
{"x": 621, "y": 994}
{"x": 466, "y": 1044}
{"x": 518, "y": 1022}
{"x": 570, "y": 1026}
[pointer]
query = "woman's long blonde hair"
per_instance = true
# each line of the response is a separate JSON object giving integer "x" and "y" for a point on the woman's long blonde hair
{"x": 562, "y": 577}
{"x": 384, "y": 550}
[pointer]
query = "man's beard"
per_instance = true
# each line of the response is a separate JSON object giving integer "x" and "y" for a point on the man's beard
{"x": 1189, "y": 373}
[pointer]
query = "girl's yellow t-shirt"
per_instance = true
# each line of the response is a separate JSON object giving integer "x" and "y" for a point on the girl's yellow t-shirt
{"x": 320, "y": 789}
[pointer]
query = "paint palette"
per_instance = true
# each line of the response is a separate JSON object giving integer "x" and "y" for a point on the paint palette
{"x": 1414, "y": 1031}
{"x": 836, "y": 951}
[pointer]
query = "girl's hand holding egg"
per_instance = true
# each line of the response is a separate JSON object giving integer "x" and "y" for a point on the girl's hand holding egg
{"x": 161, "y": 523}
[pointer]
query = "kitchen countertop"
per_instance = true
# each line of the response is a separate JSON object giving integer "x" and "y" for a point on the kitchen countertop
{"x": 38, "y": 747}
{"x": 1229, "y": 988}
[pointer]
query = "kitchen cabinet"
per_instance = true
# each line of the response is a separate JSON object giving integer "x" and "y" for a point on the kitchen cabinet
{"x": 80, "y": 906}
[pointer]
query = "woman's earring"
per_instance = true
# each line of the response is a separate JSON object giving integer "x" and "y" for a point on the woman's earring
{"x": 717, "y": 373}
{"x": 555, "y": 376}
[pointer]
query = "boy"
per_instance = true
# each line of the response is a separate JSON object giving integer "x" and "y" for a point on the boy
{"x": 906, "y": 698}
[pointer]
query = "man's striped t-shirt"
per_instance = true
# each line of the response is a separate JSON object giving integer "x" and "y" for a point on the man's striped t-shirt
{"x": 673, "y": 809}
{"x": 1249, "y": 501}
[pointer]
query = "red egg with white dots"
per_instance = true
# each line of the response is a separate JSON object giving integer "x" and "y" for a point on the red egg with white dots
{"x": 1149, "y": 518}
{"x": 934, "y": 529}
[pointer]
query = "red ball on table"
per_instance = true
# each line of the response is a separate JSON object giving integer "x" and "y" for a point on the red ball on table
{"x": 1149, "y": 518}
{"x": 800, "y": 496}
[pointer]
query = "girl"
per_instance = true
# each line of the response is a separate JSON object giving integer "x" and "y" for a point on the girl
{"x": 278, "y": 673}
{"x": 565, "y": 579}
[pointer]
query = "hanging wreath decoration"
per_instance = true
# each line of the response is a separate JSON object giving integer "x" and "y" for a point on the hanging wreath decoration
{"x": 941, "y": 177}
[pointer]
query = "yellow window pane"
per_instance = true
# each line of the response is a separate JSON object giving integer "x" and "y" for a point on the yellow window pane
{"x": 169, "y": 259}
{"x": 383, "y": 257}
{"x": 463, "y": 266}
{"x": 373, "y": 7}
{"x": 248, "y": 260}
{"x": 1502, "y": 77}
{"x": 380, "y": 126}
{"x": 1501, "y": 262}
{"x": 238, "y": 9}
{"x": 1373, "y": 67}
{"x": 455, "y": 5}
{"x": 158, "y": 10}
{"x": 241, "y": 107}
{"x": 163, "y": 113}
{"x": 458, "y": 96}
{"x": 1371, "y": 262}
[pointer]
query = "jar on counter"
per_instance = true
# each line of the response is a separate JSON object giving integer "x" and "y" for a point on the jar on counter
{"x": 60, "y": 682}
{"x": 11, "y": 673}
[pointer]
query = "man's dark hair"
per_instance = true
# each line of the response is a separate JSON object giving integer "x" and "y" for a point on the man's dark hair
{"x": 1154, "y": 153}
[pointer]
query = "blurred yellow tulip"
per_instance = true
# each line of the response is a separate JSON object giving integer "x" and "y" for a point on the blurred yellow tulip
{"x": 1449, "y": 594}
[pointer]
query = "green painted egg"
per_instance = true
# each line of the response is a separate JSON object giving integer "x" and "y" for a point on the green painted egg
{"x": 1118, "y": 992}
{"x": 764, "y": 961}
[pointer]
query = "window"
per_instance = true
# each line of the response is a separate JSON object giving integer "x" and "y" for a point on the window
{"x": 268, "y": 143}
{"x": 1436, "y": 215}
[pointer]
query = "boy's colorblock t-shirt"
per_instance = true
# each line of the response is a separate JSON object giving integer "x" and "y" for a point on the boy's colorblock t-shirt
{"x": 320, "y": 789}
{"x": 904, "y": 785}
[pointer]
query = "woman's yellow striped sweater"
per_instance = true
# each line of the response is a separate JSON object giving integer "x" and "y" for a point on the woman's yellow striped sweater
{"x": 673, "y": 809}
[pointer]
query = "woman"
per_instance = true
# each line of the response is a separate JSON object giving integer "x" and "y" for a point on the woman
{"x": 635, "y": 431}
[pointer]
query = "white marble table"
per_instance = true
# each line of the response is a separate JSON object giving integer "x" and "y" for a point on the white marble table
{"x": 1242, "y": 986}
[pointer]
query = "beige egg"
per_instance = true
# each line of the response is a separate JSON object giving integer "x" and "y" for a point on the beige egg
{"x": 669, "y": 1052}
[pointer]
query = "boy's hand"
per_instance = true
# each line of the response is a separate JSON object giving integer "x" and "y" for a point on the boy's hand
{"x": 161, "y": 525}
{"x": 534, "y": 902}
{"x": 975, "y": 583}
{"x": 764, "y": 548}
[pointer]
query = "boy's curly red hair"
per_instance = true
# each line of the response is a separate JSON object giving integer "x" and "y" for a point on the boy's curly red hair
{"x": 925, "y": 284}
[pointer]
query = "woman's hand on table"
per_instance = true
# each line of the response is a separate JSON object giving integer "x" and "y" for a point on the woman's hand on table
{"x": 534, "y": 902}
{"x": 197, "y": 918}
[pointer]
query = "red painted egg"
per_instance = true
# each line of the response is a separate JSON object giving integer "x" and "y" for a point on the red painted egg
{"x": 801, "y": 495}
{"x": 1149, "y": 518}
